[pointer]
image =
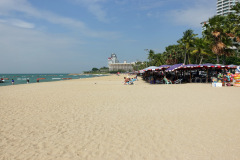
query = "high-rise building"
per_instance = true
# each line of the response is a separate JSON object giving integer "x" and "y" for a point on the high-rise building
{"x": 224, "y": 6}
{"x": 223, "y": 9}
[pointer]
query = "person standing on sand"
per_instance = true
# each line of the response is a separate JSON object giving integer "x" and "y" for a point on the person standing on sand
{"x": 27, "y": 81}
{"x": 12, "y": 81}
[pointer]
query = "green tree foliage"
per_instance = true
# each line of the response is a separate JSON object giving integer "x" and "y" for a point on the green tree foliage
{"x": 187, "y": 41}
{"x": 217, "y": 36}
{"x": 139, "y": 66}
{"x": 200, "y": 50}
{"x": 95, "y": 69}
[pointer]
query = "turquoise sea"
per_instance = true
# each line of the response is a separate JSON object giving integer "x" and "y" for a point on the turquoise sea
{"x": 22, "y": 78}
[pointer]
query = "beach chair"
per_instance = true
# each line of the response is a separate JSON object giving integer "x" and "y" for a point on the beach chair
{"x": 167, "y": 81}
{"x": 178, "y": 81}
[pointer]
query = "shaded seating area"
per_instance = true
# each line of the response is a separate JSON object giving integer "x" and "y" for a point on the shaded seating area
{"x": 190, "y": 73}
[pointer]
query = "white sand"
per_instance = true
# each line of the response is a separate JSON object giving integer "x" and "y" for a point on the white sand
{"x": 102, "y": 119}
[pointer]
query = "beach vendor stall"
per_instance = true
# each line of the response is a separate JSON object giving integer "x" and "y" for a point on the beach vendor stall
{"x": 237, "y": 79}
{"x": 238, "y": 69}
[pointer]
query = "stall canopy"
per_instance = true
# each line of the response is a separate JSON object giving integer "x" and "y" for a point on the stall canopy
{"x": 174, "y": 67}
{"x": 170, "y": 68}
{"x": 151, "y": 68}
{"x": 165, "y": 66}
{"x": 208, "y": 65}
{"x": 232, "y": 66}
{"x": 188, "y": 66}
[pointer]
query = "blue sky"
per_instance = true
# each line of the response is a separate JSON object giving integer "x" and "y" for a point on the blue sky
{"x": 71, "y": 36}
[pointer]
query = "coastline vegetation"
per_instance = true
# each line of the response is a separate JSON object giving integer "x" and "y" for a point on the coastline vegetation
{"x": 102, "y": 70}
{"x": 220, "y": 43}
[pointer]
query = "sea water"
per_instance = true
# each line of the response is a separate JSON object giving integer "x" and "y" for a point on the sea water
{"x": 22, "y": 78}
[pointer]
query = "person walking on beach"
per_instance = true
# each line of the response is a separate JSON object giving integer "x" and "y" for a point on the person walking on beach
{"x": 27, "y": 81}
{"x": 12, "y": 81}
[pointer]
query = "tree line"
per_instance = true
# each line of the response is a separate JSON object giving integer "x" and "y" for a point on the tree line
{"x": 220, "y": 43}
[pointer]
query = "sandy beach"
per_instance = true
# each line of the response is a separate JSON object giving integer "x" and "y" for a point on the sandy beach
{"x": 102, "y": 119}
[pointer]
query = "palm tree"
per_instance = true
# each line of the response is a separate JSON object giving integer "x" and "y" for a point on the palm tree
{"x": 173, "y": 54}
{"x": 236, "y": 8}
{"x": 200, "y": 50}
{"x": 187, "y": 42}
{"x": 217, "y": 37}
{"x": 232, "y": 26}
{"x": 158, "y": 59}
{"x": 151, "y": 56}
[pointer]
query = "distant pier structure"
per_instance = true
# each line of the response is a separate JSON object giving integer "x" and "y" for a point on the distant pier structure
{"x": 115, "y": 65}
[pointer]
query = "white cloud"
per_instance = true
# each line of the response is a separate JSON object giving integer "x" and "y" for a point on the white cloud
{"x": 193, "y": 15}
{"x": 95, "y": 7}
{"x": 18, "y": 23}
{"x": 30, "y": 49}
{"x": 25, "y": 8}
{"x": 149, "y": 4}
{"x": 25, "y": 47}
{"x": 31, "y": 41}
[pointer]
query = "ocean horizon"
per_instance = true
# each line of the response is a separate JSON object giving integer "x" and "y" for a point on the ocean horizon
{"x": 41, "y": 77}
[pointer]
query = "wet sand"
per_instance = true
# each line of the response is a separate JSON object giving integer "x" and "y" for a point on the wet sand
{"x": 102, "y": 119}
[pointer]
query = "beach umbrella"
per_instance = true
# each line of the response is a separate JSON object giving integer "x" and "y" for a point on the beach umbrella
{"x": 190, "y": 66}
{"x": 208, "y": 65}
{"x": 174, "y": 67}
{"x": 151, "y": 68}
{"x": 164, "y": 66}
{"x": 232, "y": 66}
{"x": 220, "y": 66}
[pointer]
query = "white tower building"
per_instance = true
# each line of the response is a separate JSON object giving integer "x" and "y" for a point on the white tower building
{"x": 113, "y": 59}
{"x": 224, "y": 6}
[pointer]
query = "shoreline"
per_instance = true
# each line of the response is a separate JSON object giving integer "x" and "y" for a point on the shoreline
{"x": 43, "y": 78}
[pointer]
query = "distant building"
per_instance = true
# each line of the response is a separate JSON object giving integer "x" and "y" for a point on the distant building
{"x": 224, "y": 6}
{"x": 113, "y": 59}
{"x": 203, "y": 27}
{"x": 121, "y": 67}
{"x": 114, "y": 65}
